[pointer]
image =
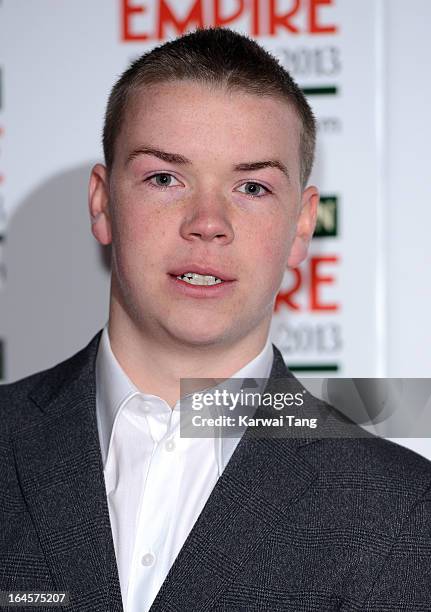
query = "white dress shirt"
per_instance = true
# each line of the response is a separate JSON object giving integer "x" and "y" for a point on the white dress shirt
{"x": 157, "y": 482}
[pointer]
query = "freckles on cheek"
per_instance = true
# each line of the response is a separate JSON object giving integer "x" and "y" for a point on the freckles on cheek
{"x": 141, "y": 238}
{"x": 135, "y": 221}
{"x": 273, "y": 243}
{"x": 268, "y": 251}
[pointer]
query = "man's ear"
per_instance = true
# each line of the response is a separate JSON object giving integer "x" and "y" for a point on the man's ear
{"x": 304, "y": 227}
{"x": 98, "y": 203}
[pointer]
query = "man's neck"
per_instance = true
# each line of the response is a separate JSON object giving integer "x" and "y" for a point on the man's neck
{"x": 156, "y": 367}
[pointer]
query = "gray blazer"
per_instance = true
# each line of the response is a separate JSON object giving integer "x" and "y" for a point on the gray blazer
{"x": 291, "y": 525}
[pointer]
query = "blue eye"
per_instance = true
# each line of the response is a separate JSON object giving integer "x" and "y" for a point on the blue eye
{"x": 253, "y": 189}
{"x": 163, "y": 179}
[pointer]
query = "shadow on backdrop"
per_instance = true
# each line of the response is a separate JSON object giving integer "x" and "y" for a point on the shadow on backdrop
{"x": 57, "y": 286}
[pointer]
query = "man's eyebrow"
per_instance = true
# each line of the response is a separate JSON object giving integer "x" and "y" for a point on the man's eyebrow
{"x": 258, "y": 165}
{"x": 172, "y": 158}
{"x": 176, "y": 158}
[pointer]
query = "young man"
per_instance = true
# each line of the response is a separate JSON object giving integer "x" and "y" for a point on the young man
{"x": 208, "y": 147}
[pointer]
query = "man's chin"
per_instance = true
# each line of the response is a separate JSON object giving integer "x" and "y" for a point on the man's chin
{"x": 203, "y": 338}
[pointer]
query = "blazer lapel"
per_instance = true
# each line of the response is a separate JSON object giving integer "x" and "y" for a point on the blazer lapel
{"x": 240, "y": 512}
{"x": 61, "y": 474}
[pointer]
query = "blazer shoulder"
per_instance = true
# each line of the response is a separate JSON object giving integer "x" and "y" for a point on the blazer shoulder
{"x": 19, "y": 400}
{"x": 373, "y": 460}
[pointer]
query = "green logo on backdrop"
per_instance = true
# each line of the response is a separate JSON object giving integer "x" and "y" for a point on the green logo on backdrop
{"x": 327, "y": 217}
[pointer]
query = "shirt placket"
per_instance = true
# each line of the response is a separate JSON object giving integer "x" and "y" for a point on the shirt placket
{"x": 158, "y": 503}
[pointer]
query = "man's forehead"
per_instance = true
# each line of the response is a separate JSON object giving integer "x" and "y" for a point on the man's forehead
{"x": 158, "y": 96}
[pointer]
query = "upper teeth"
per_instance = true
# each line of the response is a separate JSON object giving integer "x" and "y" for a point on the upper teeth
{"x": 199, "y": 279}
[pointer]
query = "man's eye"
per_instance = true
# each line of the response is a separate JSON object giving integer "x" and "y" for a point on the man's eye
{"x": 253, "y": 189}
{"x": 163, "y": 179}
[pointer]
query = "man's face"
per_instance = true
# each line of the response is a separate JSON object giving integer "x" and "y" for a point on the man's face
{"x": 204, "y": 181}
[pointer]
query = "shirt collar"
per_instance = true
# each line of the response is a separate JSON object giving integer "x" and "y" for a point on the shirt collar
{"x": 113, "y": 387}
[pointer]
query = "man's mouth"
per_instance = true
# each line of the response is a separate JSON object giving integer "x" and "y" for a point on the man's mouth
{"x": 201, "y": 275}
{"x": 199, "y": 279}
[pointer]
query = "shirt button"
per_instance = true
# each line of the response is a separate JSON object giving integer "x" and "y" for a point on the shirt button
{"x": 145, "y": 408}
{"x": 148, "y": 559}
{"x": 170, "y": 446}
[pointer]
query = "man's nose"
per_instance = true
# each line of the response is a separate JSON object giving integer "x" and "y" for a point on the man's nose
{"x": 208, "y": 218}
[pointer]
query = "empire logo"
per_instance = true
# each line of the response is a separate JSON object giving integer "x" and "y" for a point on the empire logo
{"x": 144, "y": 20}
{"x": 306, "y": 293}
